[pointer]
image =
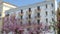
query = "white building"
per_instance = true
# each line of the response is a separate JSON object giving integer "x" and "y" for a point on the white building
{"x": 46, "y": 10}
{"x": 4, "y": 6}
{"x": 42, "y": 12}
{"x": 7, "y": 6}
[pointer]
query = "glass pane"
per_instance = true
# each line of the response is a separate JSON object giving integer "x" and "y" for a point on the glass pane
{"x": 38, "y": 14}
{"x": 38, "y": 8}
{"x": 21, "y": 11}
{"x": 29, "y": 9}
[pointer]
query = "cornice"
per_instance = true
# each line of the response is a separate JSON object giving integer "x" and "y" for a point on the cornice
{"x": 10, "y": 4}
{"x": 30, "y": 6}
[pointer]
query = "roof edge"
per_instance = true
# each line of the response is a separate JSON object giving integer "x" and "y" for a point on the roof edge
{"x": 10, "y": 4}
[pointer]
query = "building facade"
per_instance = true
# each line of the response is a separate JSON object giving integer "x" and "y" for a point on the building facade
{"x": 45, "y": 10}
{"x": 42, "y": 12}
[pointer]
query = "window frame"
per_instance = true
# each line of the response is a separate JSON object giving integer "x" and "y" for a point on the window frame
{"x": 21, "y": 17}
{"x": 29, "y": 9}
{"x": 38, "y": 21}
{"x": 52, "y": 4}
{"x": 21, "y": 11}
{"x": 29, "y": 22}
{"x": 53, "y": 19}
{"x": 38, "y": 14}
{"x": 46, "y": 20}
{"x": 46, "y": 6}
{"x": 46, "y": 13}
{"x": 29, "y": 16}
{"x": 38, "y": 7}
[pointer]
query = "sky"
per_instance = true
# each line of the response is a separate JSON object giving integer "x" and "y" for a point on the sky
{"x": 23, "y": 2}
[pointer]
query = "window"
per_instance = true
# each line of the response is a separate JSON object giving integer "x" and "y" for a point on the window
{"x": 38, "y": 8}
{"x": 52, "y": 5}
{"x": 52, "y": 12}
{"x": 21, "y": 11}
{"x": 53, "y": 19}
{"x": 46, "y": 20}
{"x": 21, "y": 22}
{"x": 29, "y": 22}
{"x": 29, "y": 9}
{"x": 21, "y": 17}
{"x": 38, "y": 14}
{"x": 7, "y": 14}
{"x": 30, "y": 16}
{"x": 46, "y": 13}
{"x": 46, "y": 5}
{"x": 38, "y": 21}
{"x": 0, "y": 14}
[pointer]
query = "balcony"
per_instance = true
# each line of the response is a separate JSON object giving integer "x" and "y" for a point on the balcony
{"x": 37, "y": 18}
{"x": 35, "y": 26}
{"x": 28, "y": 19}
{"x": 28, "y": 12}
{"x": 21, "y": 14}
{"x": 21, "y": 19}
{"x": 37, "y": 10}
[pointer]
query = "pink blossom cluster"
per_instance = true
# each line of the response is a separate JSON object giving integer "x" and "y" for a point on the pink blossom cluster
{"x": 12, "y": 24}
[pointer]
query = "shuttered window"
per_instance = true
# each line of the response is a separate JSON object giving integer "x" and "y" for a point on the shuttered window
{"x": 21, "y": 11}
{"x": 29, "y": 22}
{"x": 38, "y": 14}
{"x": 46, "y": 20}
{"x": 38, "y": 8}
{"x": 0, "y": 14}
{"x": 46, "y": 13}
{"x": 38, "y": 21}
{"x": 52, "y": 4}
{"x": 53, "y": 19}
{"x": 30, "y": 16}
{"x": 29, "y": 9}
{"x": 21, "y": 17}
{"x": 46, "y": 5}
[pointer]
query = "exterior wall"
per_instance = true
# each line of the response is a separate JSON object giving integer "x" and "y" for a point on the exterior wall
{"x": 43, "y": 8}
{"x": 7, "y": 7}
{"x": 42, "y": 12}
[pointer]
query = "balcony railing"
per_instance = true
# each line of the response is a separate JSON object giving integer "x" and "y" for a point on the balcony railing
{"x": 21, "y": 14}
{"x": 37, "y": 10}
{"x": 28, "y": 19}
{"x": 28, "y": 12}
{"x": 37, "y": 18}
